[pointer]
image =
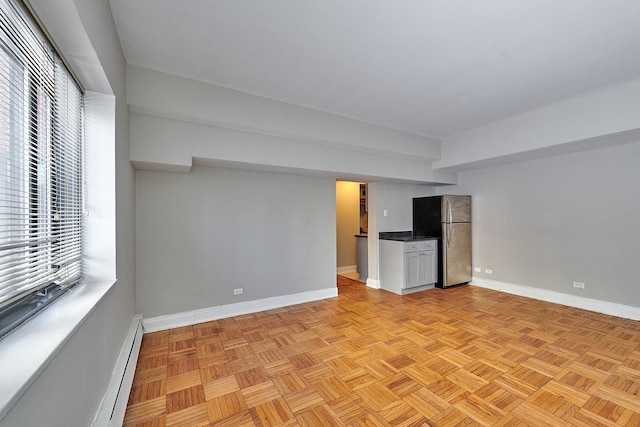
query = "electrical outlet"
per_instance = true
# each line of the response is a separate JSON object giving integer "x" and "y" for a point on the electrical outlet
{"x": 488, "y": 271}
{"x": 384, "y": 213}
{"x": 237, "y": 291}
{"x": 578, "y": 285}
{"x": 477, "y": 269}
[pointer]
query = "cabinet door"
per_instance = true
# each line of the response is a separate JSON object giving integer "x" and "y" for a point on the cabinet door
{"x": 430, "y": 267}
{"x": 413, "y": 269}
{"x": 421, "y": 268}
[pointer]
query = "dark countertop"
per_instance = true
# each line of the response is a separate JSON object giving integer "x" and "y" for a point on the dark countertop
{"x": 403, "y": 236}
{"x": 361, "y": 235}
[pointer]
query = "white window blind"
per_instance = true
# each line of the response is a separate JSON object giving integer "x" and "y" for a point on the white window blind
{"x": 41, "y": 160}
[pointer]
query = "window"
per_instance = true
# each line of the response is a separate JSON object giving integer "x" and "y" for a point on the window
{"x": 41, "y": 156}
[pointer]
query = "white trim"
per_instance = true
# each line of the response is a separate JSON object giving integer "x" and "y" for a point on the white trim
{"x": 346, "y": 269}
{"x": 193, "y": 317}
{"x": 373, "y": 283}
{"x": 605, "y": 307}
{"x": 114, "y": 402}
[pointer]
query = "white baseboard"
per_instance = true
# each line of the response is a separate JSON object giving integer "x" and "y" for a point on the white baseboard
{"x": 346, "y": 269}
{"x": 373, "y": 283}
{"x": 114, "y": 402}
{"x": 604, "y": 307}
{"x": 159, "y": 323}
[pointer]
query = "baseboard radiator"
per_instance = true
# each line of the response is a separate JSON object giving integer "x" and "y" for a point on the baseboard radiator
{"x": 114, "y": 404}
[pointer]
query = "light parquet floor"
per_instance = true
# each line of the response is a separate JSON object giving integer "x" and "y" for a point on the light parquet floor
{"x": 461, "y": 356}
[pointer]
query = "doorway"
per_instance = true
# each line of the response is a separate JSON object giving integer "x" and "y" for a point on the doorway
{"x": 351, "y": 229}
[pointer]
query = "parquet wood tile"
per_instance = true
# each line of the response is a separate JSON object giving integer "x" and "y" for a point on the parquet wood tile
{"x": 402, "y": 385}
{"x": 318, "y": 416}
{"x": 401, "y": 413}
{"x": 454, "y": 417}
{"x": 273, "y": 413}
{"x": 427, "y": 403}
{"x": 142, "y": 391}
{"x": 195, "y": 416}
{"x": 461, "y": 356}
{"x": 348, "y": 408}
{"x": 220, "y": 387}
{"x": 185, "y": 398}
{"x": 147, "y": 410}
{"x": 498, "y": 397}
{"x": 182, "y": 381}
{"x": 303, "y": 399}
{"x": 225, "y": 406}
{"x": 290, "y": 382}
{"x": 536, "y": 416}
{"x": 242, "y": 419}
{"x": 479, "y": 410}
{"x": 260, "y": 393}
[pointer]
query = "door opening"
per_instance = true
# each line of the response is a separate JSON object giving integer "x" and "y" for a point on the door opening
{"x": 351, "y": 229}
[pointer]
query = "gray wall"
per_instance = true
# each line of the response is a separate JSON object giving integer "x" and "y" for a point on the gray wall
{"x": 604, "y": 117}
{"x": 202, "y": 234}
{"x": 550, "y": 222}
{"x": 397, "y": 200}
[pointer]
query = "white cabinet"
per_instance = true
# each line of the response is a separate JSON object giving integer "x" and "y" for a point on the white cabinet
{"x": 419, "y": 268}
{"x": 408, "y": 266}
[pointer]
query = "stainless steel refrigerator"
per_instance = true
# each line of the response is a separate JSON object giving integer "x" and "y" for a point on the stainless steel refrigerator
{"x": 448, "y": 218}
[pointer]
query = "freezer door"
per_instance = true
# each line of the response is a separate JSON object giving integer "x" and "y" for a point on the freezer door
{"x": 427, "y": 218}
{"x": 456, "y": 248}
{"x": 456, "y": 208}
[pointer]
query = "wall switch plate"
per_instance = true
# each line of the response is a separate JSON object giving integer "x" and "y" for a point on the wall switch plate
{"x": 237, "y": 291}
{"x": 477, "y": 269}
{"x": 488, "y": 271}
{"x": 578, "y": 285}
{"x": 384, "y": 212}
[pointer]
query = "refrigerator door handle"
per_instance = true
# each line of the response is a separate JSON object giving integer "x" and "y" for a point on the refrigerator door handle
{"x": 449, "y": 221}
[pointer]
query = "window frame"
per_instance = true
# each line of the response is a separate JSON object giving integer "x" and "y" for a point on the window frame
{"x": 52, "y": 174}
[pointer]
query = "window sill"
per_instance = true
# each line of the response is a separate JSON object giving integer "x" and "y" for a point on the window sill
{"x": 26, "y": 352}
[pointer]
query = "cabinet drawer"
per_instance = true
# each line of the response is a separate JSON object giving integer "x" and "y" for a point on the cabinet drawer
{"x": 412, "y": 246}
{"x": 423, "y": 245}
{"x": 428, "y": 245}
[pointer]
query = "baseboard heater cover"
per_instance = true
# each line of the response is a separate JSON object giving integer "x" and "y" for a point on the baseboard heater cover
{"x": 114, "y": 403}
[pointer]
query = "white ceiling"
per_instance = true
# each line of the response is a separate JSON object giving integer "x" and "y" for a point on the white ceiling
{"x": 431, "y": 67}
